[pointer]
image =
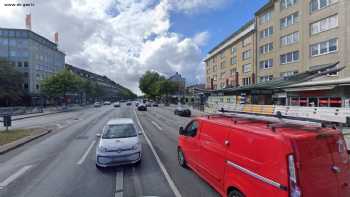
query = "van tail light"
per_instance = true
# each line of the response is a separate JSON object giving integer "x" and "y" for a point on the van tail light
{"x": 294, "y": 189}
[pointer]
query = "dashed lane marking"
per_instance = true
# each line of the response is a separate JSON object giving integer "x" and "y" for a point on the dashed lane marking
{"x": 160, "y": 163}
{"x": 14, "y": 176}
{"x": 82, "y": 159}
{"x": 119, "y": 183}
{"x": 156, "y": 125}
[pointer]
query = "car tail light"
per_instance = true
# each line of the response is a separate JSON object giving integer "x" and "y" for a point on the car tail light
{"x": 294, "y": 189}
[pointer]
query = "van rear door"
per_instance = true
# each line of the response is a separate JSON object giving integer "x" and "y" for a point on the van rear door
{"x": 314, "y": 162}
{"x": 341, "y": 163}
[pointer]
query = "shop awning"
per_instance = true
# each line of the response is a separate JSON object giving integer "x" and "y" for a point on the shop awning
{"x": 312, "y": 88}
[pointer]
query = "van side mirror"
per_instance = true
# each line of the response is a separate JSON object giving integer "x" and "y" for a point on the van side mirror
{"x": 140, "y": 132}
{"x": 98, "y": 134}
{"x": 181, "y": 131}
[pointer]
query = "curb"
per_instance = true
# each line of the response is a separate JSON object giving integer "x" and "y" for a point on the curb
{"x": 13, "y": 145}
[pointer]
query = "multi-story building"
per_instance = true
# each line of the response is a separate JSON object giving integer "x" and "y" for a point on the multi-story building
{"x": 181, "y": 82}
{"x": 232, "y": 63}
{"x": 32, "y": 54}
{"x": 294, "y": 36}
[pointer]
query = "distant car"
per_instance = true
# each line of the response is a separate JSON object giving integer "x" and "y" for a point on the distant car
{"x": 116, "y": 104}
{"x": 149, "y": 104}
{"x": 155, "y": 104}
{"x": 137, "y": 104}
{"x": 119, "y": 144}
{"x": 97, "y": 104}
{"x": 106, "y": 103}
{"x": 182, "y": 111}
{"x": 142, "y": 107}
{"x": 128, "y": 103}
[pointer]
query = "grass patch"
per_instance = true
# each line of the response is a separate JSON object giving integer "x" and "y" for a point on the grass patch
{"x": 13, "y": 135}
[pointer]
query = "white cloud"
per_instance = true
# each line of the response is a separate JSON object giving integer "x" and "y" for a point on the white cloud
{"x": 119, "y": 38}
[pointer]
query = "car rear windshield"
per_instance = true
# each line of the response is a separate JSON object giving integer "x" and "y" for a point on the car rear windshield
{"x": 119, "y": 131}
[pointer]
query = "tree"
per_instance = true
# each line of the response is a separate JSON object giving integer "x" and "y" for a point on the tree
{"x": 11, "y": 82}
{"x": 61, "y": 83}
{"x": 148, "y": 83}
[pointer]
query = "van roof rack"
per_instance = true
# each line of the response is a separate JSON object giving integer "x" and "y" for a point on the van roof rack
{"x": 278, "y": 120}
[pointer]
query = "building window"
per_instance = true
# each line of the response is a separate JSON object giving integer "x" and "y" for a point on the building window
{"x": 266, "y": 78}
{"x": 234, "y": 51}
{"x": 324, "y": 25}
{"x": 222, "y": 65}
{"x": 289, "y": 20}
{"x": 266, "y": 32}
{"x": 222, "y": 55}
{"x": 26, "y": 74}
{"x": 287, "y": 3}
{"x": 19, "y": 64}
{"x": 290, "y": 57}
{"x": 323, "y": 48}
{"x": 25, "y": 64}
{"x": 266, "y": 17}
{"x": 13, "y": 53}
{"x": 234, "y": 60}
{"x": 26, "y": 86}
{"x": 247, "y": 41}
{"x": 214, "y": 68}
{"x": 246, "y": 68}
{"x": 12, "y": 42}
{"x": 288, "y": 74}
{"x": 37, "y": 86}
{"x": 266, "y": 48}
{"x": 222, "y": 75}
{"x": 215, "y": 77}
{"x": 290, "y": 39}
{"x": 246, "y": 81}
{"x": 266, "y": 64}
{"x": 246, "y": 54}
{"x": 316, "y": 5}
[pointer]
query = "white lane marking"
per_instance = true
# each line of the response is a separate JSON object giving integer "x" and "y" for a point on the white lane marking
{"x": 161, "y": 165}
{"x": 119, "y": 182}
{"x": 155, "y": 124}
{"x": 82, "y": 159}
{"x": 59, "y": 126}
{"x": 14, "y": 176}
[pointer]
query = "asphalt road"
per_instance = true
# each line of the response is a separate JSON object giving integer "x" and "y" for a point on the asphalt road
{"x": 63, "y": 163}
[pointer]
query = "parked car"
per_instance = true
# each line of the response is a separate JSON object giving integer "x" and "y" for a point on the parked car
{"x": 155, "y": 104}
{"x": 119, "y": 144}
{"x": 142, "y": 107}
{"x": 128, "y": 103}
{"x": 149, "y": 104}
{"x": 97, "y": 104}
{"x": 106, "y": 103}
{"x": 241, "y": 157}
{"x": 182, "y": 111}
{"x": 116, "y": 104}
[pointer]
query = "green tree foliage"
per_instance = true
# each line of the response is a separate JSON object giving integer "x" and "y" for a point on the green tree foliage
{"x": 11, "y": 82}
{"x": 148, "y": 83}
{"x": 153, "y": 85}
{"x": 61, "y": 83}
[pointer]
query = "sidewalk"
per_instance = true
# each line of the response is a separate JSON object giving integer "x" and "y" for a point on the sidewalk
{"x": 47, "y": 111}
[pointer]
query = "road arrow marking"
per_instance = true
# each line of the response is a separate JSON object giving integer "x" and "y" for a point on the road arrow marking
{"x": 155, "y": 124}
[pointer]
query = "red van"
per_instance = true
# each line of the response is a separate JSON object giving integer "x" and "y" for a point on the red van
{"x": 255, "y": 158}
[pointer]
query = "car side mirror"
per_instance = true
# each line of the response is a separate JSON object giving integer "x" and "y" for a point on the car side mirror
{"x": 140, "y": 133}
{"x": 98, "y": 134}
{"x": 181, "y": 131}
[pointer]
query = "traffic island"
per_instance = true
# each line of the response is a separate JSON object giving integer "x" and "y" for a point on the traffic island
{"x": 14, "y": 138}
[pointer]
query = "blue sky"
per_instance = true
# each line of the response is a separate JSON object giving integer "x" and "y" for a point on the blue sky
{"x": 220, "y": 22}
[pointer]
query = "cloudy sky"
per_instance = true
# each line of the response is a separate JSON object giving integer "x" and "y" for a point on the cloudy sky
{"x": 123, "y": 38}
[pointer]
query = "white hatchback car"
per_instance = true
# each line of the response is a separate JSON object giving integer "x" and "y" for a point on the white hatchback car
{"x": 119, "y": 144}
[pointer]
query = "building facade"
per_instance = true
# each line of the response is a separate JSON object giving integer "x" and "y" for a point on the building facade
{"x": 180, "y": 81}
{"x": 233, "y": 62}
{"x": 294, "y": 36}
{"x": 32, "y": 54}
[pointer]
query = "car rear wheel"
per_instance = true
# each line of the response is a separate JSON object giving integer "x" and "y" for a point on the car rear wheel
{"x": 235, "y": 193}
{"x": 181, "y": 158}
